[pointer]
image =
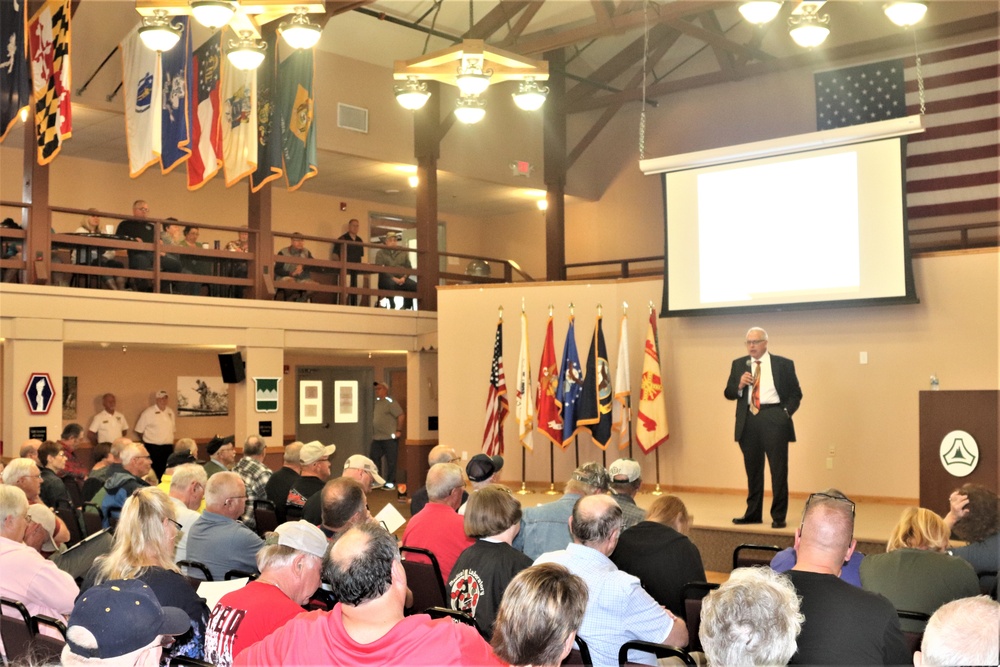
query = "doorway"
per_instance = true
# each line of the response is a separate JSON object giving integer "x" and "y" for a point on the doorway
{"x": 343, "y": 409}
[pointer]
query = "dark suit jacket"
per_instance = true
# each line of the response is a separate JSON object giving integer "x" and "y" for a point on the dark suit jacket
{"x": 785, "y": 381}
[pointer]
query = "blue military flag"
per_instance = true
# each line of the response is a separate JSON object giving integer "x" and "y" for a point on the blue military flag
{"x": 15, "y": 80}
{"x": 593, "y": 409}
{"x": 570, "y": 385}
{"x": 175, "y": 129}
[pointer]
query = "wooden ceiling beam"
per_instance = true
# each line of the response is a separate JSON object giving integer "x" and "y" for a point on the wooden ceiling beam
{"x": 524, "y": 19}
{"x": 601, "y": 12}
{"x": 718, "y": 41}
{"x": 709, "y": 21}
{"x": 495, "y": 19}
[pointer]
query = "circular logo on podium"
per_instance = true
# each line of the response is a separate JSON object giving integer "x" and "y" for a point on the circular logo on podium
{"x": 959, "y": 453}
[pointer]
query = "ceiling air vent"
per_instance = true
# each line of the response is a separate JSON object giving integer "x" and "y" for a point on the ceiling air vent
{"x": 352, "y": 118}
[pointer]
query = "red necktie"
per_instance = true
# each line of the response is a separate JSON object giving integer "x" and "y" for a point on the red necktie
{"x": 755, "y": 398}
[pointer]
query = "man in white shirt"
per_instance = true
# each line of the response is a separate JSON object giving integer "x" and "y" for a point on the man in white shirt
{"x": 156, "y": 428}
{"x": 187, "y": 488}
{"x": 109, "y": 424}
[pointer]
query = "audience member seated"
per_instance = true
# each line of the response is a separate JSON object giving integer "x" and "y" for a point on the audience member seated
{"x": 91, "y": 224}
{"x": 140, "y": 229}
{"x": 299, "y": 273}
{"x": 290, "y": 564}
{"x": 27, "y": 577}
{"x": 545, "y": 527}
{"x": 185, "y": 451}
{"x": 343, "y": 504}
{"x": 144, "y": 550}
{"x": 187, "y": 490}
{"x": 364, "y": 470}
{"x": 394, "y": 256}
{"x": 235, "y": 269}
{"x": 963, "y": 632}
{"x": 438, "y": 454}
{"x": 217, "y": 539}
{"x": 915, "y": 573}
{"x": 52, "y": 460}
{"x": 626, "y": 480}
{"x": 367, "y": 627}
{"x": 314, "y": 464}
{"x": 439, "y": 528}
{"x": 659, "y": 552}
{"x": 843, "y": 625}
{"x": 72, "y": 437}
{"x": 255, "y": 475}
{"x": 618, "y": 609}
{"x": 107, "y": 460}
{"x": 29, "y": 449}
{"x": 357, "y": 468}
{"x": 136, "y": 464}
{"x": 481, "y": 574}
{"x": 482, "y": 470}
{"x": 192, "y": 264}
{"x": 974, "y": 517}
{"x": 41, "y": 532}
{"x": 539, "y": 616}
{"x": 784, "y": 561}
{"x": 751, "y": 619}
{"x": 24, "y": 474}
{"x": 118, "y": 623}
{"x": 222, "y": 455}
{"x": 281, "y": 481}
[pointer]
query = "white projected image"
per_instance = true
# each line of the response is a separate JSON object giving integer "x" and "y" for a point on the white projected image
{"x": 779, "y": 230}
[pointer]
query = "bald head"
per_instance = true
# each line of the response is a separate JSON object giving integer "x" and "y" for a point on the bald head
{"x": 596, "y": 523}
{"x": 225, "y": 494}
{"x": 826, "y": 537}
{"x": 343, "y": 503}
{"x": 362, "y": 566}
{"x": 441, "y": 454}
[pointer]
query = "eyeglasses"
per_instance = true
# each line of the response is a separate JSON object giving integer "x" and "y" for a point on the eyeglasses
{"x": 145, "y": 209}
{"x": 243, "y": 498}
{"x": 177, "y": 525}
{"x": 143, "y": 457}
{"x": 756, "y": 342}
{"x": 839, "y": 499}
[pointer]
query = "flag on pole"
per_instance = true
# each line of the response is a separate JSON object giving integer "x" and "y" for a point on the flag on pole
{"x": 175, "y": 130}
{"x": 593, "y": 408}
{"x": 48, "y": 49}
{"x": 549, "y": 421}
{"x": 143, "y": 97}
{"x": 15, "y": 79}
{"x": 298, "y": 126}
{"x": 621, "y": 408}
{"x": 268, "y": 125}
{"x": 206, "y": 131}
{"x": 570, "y": 385}
{"x": 651, "y": 429}
{"x": 524, "y": 408}
{"x": 239, "y": 122}
{"x": 496, "y": 399}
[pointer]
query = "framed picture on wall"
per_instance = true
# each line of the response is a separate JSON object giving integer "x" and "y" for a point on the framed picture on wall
{"x": 345, "y": 401}
{"x": 202, "y": 397}
{"x": 69, "y": 397}
{"x": 310, "y": 402}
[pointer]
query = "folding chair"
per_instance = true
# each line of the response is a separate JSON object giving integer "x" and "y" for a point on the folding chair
{"x": 579, "y": 655}
{"x": 659, "y": 650}
{"x": 913, "y": 638}
{"x": 193, "y": 564}
{"x": 692, "y": 595}
{"x": 93, "y": 518}
{"x": 71, "y": 518}
{"x": 48, "y": 647}
{"x": 265, "y": 516}
{"x": 16, "y": 630}
{"x": 765, "y": 553}
{"x": 424, "y": 580}
{"x": 456, "y": 616}
{"x": 240, "y": 574}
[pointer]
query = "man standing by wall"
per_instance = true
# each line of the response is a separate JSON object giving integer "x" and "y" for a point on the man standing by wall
{"x": 156, "y": 428}
{"x": 387, "y": 428}
{"x": 767, "y": 394}
{"x": 352, "y": 253}
{"x": 107, "y": 425}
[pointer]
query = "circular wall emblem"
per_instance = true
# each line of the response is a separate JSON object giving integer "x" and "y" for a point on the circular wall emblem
{"x": 959, "y": 453}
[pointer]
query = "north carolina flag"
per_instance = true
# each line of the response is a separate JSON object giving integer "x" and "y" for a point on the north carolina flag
{"x": 593, "y": 408}
{"x": 48, "y": 51}
{"x": 524, "y": 408}
{"x": 15, "y": 78}
{"x": 549, "y": 421}
{"x": 496, "y": 399}
{"x": 205, "y": 105}
{"x": 239, "y": 122}
{"x": 175, "y": 124}
{"x": 143, "y": 98}
{"x": 621, "y": 407}
{"x": 651, "y": 429}
{"x": 570, "y": 386}
{"x": 298, "y": 121}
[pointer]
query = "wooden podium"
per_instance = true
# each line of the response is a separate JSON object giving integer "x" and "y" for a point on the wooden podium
{"x": 941, "y": 412}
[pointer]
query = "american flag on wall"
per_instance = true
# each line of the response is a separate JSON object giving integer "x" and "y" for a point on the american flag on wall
{"x": 496, "y": 400}
{"x": 951, "y": 168}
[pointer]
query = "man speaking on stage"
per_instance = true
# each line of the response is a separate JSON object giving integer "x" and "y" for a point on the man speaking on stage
{"x": 767, "y": 394}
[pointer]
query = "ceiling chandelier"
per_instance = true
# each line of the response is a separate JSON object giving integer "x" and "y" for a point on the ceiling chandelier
{"x": 905, "y": 14}
{"x": 158, "y": 33}
{"x": 809, "y": 28}
{"x": 471, "y": 66}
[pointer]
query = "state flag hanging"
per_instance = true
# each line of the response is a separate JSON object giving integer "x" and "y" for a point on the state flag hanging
{"x": 205, "y": 105}
{"x": 143, "y": 98}
{"x": 549, "y": 421}
{"x": 268, "y": 126}
{"x": 651, "y": 429}
{"x": 298, "y": 123}
{"x": 524, "y": 408}
{"x": 239, "y": 122}
{"x": 496, "y": 399}
{"x": 594, "y": 405}
{"x": 570, "y": 385}
{"x": 15, "y": 78}
{"x": 175, "y": 124}
{"x": 49, "y": 52}
{"x": 621, "y": 407}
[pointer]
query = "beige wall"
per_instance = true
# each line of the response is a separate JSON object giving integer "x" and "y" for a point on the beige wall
{"x": 865, "y": 414}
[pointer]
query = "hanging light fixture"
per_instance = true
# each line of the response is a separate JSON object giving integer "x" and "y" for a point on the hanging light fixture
{"x": 809, "y": 29}
{"x": 300, "y": 32}
{"x": 470, "y": 109}
{"x": 414, "y": 180}
{"x": 413, "y": 94}
{"x": 905, "y": 14}
{"x": 760, "y": 13}
{"x": 471, "y": 78}
{"x": 246, "y": 53}
{"x": 158, "y": 33}
{"x": 530, "y": 96}
{"x": 212, "y": 13}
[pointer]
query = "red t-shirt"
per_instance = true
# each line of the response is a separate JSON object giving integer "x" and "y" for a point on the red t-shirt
{"x": 441, "y": 530}
{"x": 245, "y": 617}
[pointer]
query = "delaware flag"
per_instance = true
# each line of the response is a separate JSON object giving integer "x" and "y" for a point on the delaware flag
{"x": 571, "y": 385}
{"x": 15, "y": 80}
{"x": 143, "y": 99}
{"x": 524, "y": 408}
{"x": 621, "y": 407}
{"x": 651, "y": 425}
{"x": 206, "y": 131}
{"x": 268, "y": 126}
{"x": 298, "y": 129}
{"x": 593, "y": 409}
{"x": 239, "y": 122}
{"x": 549, "y": 421}
{"x": 48, "y": 49}
{"x": 175, "y": 130}
{"x": 496, "y": 400}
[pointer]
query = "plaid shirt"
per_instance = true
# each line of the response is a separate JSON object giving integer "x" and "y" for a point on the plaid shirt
{"x": 255, "y": 476}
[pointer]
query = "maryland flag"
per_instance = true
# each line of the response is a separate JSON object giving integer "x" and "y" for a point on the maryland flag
{"x": 621, "y": 408}
{"x": 297, "y": 109}
{"x": 496, "y": 400}
{"x": 524, "y": 408}
{"x": 570, "y": 385}
{"x": 48, "y": 49}
{"x": 549, "y": 421}
{"x": 593, "y": 409}
{"x": 651, "y": 429}
{"x": 15, "y": 79}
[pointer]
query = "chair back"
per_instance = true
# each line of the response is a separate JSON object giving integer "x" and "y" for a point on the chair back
{"x": 74, "y": 486}
{"x": 456, "y": 616}
{"x": 71, "y": 518}
{"x": 750, "y": 555}
{"x": 913, "y": 638}
{"x": 424, "y": 579}
{"x": 48, "y": 646}
{"x": 91, "y": 486}
{"x": 240, "y": 574}
{"x": 188, "y": 565}
{"x": 659, "y": 650}
{"x": 293, "y": 512}
{"x": 15, "y": 629}
{"x": 692, "y": 595}
{"x": 93, "y": 518}
{"x": 264, "y": 516}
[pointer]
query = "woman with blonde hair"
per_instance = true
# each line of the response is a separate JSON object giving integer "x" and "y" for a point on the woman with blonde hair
{"x": 915, "y": 573}
{"x": 144, "y": 550}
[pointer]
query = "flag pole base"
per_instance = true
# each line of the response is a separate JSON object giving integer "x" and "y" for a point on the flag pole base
{"x": 657, "y": 491}
{"x": 523, "y": 491}
{"x": 552, "y": 490}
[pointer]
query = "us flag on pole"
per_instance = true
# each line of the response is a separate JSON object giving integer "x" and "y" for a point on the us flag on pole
{"x": 496, "y": 400}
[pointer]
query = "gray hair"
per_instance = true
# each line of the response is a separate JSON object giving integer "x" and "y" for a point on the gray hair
{"x": 440, "y": 454}
{"x": 220, "y": 487}
{"x": 595, "y": 519}
{"x": 18, "y": 468}
{"x": 762, "y": 332}
{"x": 442, "y": 479}
{"x": 254, "y": 446}
{"x": 187, "y": 473}
{"x": 13, "y": 502}
{"x": 963, "y": 632}
{"x": 277, "y": 556}
{"x": 752, "y": 619}
{"x": 186, "y": 445}
{"x": 292, "y": 453}
{"x": 131, "y": 451}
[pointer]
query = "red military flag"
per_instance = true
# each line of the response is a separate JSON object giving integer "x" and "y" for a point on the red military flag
{"x": 204, "y": 98}
{"x": 651, "y": 426}
{"x": 549, "y": 421}
{"x": 496, "y": 399}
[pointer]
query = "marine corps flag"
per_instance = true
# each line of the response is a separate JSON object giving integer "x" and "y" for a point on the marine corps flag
{"x": 593, "y": 408}
{"x": 143, "y": 97}
{"x": 298, "y": 126}
{"x": 48, "y": 50}
{"x": 496, "y": 400}
{"x": 15, "y": 80}
{"x": 524, "y": 408}
{"x": 570, "y": 385}
{"x": 549, "y": 421}
{"x": 651, "y": 429}
{"x": 621, "y": 407}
